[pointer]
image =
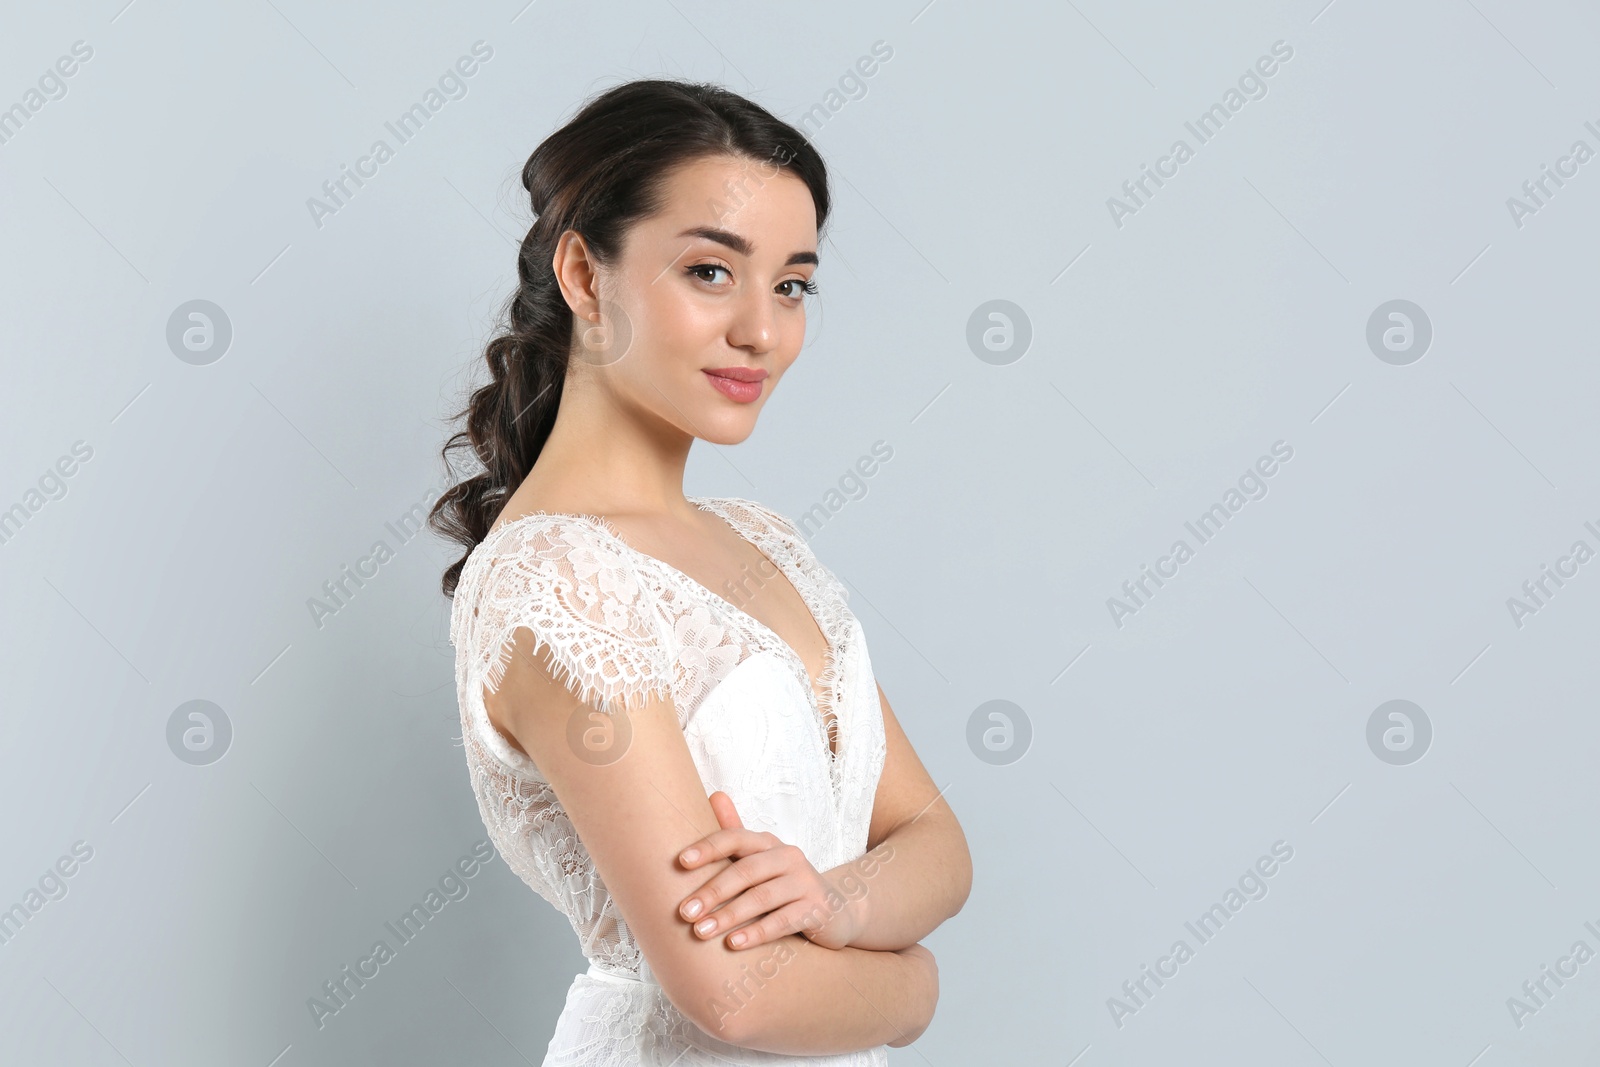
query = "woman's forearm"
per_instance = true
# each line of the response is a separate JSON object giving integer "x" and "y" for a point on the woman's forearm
{"x": 919, "y": 876}
{"x": 798, "y": 998}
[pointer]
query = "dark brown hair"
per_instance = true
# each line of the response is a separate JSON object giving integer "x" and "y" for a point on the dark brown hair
{"x": 597, "y": 175}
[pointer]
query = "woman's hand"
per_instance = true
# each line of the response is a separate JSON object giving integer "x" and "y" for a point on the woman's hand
{"x": 771, "y": 886}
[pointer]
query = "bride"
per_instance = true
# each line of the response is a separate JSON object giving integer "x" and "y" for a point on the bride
{"x": 711, "y": 786}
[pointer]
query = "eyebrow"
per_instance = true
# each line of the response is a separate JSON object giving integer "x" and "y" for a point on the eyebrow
{"x": 740, "y": 245}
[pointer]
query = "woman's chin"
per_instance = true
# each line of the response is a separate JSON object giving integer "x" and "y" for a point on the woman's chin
{"x": 728, "y": 430}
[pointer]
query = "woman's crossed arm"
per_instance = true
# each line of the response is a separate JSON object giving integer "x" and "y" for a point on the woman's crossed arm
{"x": 634, "y": 815}
{"x": 915, "y": 874}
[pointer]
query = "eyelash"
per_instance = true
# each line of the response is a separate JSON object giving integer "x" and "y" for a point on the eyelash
{"x": 807, "y": 286}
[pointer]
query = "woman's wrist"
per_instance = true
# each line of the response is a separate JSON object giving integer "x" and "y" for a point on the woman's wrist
{"x": 856, "y": 882}
{"x": 847, "y": 920}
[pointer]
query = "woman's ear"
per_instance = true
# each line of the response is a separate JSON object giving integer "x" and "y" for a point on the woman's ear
{"x": 577, "y": 275}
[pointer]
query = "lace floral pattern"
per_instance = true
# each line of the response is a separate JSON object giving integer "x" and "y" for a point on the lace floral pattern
{"x": 617, "y": 627}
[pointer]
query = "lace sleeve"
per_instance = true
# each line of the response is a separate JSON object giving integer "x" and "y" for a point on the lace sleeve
{"x": 599, "y": 629}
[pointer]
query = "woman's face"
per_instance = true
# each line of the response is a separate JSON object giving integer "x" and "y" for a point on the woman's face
{"x": 715, "y": 282}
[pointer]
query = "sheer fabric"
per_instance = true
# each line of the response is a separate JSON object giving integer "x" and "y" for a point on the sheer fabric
{"x": 618, "y": 626}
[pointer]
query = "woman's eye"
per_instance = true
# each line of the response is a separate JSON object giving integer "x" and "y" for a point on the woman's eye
{"x": 707, "y": 266}
{"x": 797, "y": 287}
{"x": 805, "y": 286}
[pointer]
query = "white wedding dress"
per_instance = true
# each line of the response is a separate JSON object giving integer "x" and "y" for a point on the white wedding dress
{"x": 615, "y": 624}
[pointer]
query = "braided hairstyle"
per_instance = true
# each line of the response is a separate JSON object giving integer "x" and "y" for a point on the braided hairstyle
{"x": 597, "y": 175}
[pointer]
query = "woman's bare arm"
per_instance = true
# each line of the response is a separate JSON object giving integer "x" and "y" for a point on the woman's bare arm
{"x": 634, "y": 813}
{"x": 928, "y": 874}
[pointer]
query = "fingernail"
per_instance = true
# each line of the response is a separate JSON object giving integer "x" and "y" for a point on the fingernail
{"x": 690, "y": 855}
{"x": 691, "y": 909}
{"x": 736, "y": 940}
{"x": 705, "y": 926}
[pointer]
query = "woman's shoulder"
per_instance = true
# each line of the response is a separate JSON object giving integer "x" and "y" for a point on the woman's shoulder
{"x": 770, "y": 527}
{"x": 568, "y": 580}
{"x": 541, "y": 552}
{"x": 753, "y": 512}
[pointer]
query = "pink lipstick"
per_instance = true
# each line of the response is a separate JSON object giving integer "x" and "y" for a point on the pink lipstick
{"x": 742, "y": 384}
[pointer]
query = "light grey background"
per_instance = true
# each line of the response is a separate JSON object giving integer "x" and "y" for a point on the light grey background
{"x": 1168, "y": 353}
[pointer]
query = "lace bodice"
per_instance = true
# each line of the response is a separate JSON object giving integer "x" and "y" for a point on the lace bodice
{"x": 617, "y": 627}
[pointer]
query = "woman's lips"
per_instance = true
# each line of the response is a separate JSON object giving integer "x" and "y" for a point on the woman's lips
{"x": 737, "y": 388}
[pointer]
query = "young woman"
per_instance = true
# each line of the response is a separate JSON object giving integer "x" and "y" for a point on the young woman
{"x": 710, "y": 786}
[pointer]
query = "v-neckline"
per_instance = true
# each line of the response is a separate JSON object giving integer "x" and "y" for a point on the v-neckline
{"x": 827, "y": 681}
